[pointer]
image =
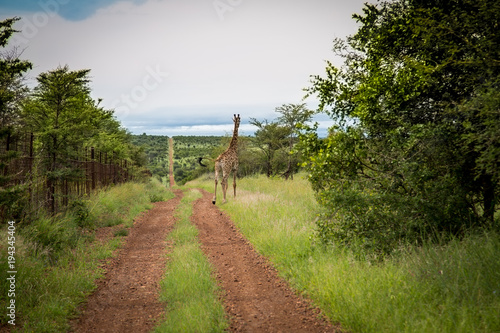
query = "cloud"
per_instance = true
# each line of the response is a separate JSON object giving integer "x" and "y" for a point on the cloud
{"x": 204, "y": 130}
{"x": 185, "y": 63}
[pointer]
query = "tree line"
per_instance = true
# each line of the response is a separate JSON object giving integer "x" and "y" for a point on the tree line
{"x": 65, "y": 122}
{"x": 270, "y": 151}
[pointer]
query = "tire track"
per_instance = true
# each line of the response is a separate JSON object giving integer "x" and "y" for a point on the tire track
{"x": 126, "y": 300}
{"x": 256, "y": 298}
{"x": 171, "y": 162}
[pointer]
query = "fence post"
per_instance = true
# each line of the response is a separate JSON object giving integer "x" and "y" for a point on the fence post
{"x": 30, "y": 171}
{"x": 92, "y": 167}
{"x": 107, "y": 169}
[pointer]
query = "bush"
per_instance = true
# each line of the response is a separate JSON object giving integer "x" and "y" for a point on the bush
{"x": 379, "y": 204}
{"x": 50, "y": 235}
{"x": 157, "y": 191}
{"x": 79, "y": 208}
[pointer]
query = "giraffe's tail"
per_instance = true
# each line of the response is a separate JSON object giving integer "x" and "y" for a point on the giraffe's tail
{"x": 200, "y": 163}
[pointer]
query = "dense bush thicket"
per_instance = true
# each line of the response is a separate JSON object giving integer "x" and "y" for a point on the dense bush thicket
{"x": 415, "y": 153}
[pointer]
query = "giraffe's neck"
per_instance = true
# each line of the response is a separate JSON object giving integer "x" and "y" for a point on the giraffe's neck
{"x": 234, "y": 141}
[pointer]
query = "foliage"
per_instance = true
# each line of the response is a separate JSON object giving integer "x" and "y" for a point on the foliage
{"x": 266, "y": 152}
{"x": 270, "y": 138}
{"x": 120, "y": 204}
{"x": 50, "y": 235}
{"x": 187, "y": 151}
{"x": 81, "y": 211}
{"x": 64, "y": 119}
{"x": 274, "y": 141}
{"x": 291, "y": 116}
{"x": 157, "y": 191}
{"x": 12, "y": 91}
{"x": 482, "y": 130}
{"x": 415, "y": 100}
{"x": 155, "y": 149}
{"x": 60, "y": 114}
{"x": 12, "y": 69}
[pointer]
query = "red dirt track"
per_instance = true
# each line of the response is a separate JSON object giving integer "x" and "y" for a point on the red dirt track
{"x": 255, "y": 297}
{"x": 126, "y": 300}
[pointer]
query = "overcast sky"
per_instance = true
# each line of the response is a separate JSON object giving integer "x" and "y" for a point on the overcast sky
{"x": 184, "y": 67}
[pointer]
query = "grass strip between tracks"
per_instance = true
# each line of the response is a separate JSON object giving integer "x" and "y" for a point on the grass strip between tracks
{"x": 188, "y": 286}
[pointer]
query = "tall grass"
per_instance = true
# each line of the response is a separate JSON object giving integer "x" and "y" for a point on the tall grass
{"x": 121, "y": 204}
{"x": 452, "y": 288}
{"x": 57, "y": 261}
{"x": 188, "y": 287}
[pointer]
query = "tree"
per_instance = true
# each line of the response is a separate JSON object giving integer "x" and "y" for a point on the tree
{"x": 291, "y": 116}
{"x": 11, "y": 72}
{"x": 12, "y": 91}
{"x": 269, "y": 138}
{"x": 412, "y": 77}
{"x": 62, "y": 115}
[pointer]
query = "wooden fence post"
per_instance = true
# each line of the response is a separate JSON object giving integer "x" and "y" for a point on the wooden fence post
{"x": 92, "y": 167}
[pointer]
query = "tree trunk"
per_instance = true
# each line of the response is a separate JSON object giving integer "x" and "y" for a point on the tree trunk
{"x": 488, "y": 199}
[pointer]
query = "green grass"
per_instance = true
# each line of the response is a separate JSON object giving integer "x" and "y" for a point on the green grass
{"x": 121, "y": 204}
{"x": 57, "y": 262}
{"x": 452, "y": 288}
{"x": 188, "y": 287}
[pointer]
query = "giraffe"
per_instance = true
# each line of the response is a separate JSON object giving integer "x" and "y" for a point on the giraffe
{"x": 227, "y": 162}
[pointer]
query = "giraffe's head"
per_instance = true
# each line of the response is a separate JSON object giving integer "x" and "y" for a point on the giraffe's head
{"x": 236, "y": 121}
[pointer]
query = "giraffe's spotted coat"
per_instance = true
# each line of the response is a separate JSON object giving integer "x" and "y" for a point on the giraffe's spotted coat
{"x": 227, "y": 162}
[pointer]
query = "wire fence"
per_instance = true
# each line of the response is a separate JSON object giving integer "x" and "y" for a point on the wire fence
{"x": 89, "y": 171}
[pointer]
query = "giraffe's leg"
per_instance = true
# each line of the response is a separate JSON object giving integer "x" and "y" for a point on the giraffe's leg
{"x": 224, "y": 187}
{"x": 234, "y": 181}
{"x": 216, "y": 180}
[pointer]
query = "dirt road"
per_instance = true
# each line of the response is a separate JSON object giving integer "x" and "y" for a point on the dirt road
{"x": 256, "y": 299}
{"x": 126, "y": 300}
{"x": 171, "y": 162}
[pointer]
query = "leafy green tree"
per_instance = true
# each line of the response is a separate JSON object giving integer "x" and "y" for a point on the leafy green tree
{"x": 62, "y": 115}
{"x": 481, "y": 137}
{"x": 420, "y": 83}
{"x": 291, "y": 116}
{"x": 270, "y": 138}
{"x": 12, "y": 92}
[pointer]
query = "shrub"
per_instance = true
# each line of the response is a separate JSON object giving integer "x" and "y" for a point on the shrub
{"x": 50, "y": 235}
{"x": 79, "y": 208}
{"x": 121, "y": 232}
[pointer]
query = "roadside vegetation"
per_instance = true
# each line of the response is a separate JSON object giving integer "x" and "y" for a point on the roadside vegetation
{"x": 58, "y": 257}
{"x": 189, "y": 288}
{"x": 449, "y": 287}
{"x": 414, "y": 155}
